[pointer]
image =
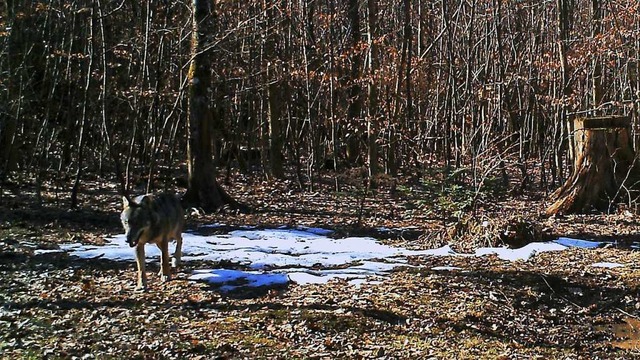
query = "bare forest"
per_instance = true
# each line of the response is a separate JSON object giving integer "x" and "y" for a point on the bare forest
{"x": 101, "y": 87}
{"x": 462, "y": 123}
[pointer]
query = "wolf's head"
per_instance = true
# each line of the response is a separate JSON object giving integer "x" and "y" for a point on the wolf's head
{"x": 136, "y": 219}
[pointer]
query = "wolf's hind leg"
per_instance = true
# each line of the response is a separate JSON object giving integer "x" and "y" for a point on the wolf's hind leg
{"x": 165, "y": 270}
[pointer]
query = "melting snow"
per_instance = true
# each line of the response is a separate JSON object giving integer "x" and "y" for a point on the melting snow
{"x": 445, "y": 268}
{"x": 609, "y": 265}
{"x": 585, "y": 244}
{"x": 523, "y": 253}
{"x": 301, "y": 255}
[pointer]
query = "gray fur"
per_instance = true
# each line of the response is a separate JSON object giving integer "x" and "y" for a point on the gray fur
{"x": 155, "y": 219}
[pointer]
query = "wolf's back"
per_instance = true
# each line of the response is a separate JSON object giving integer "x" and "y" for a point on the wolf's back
{"x": 166, "y": 213}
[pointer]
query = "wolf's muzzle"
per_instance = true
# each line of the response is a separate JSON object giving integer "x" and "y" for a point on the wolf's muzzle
{"x": 134, "y": 239}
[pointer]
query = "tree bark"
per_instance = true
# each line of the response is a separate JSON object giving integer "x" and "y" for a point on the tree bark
{"x": 605, "y": 167}
{"x": 275, "y": 96}
{"x": 354, "y": 108}
{"x": 372, "y": 91}
{"x": 83, "y": 119}
{"x": 598, "y": 92}
{"x": 203, "y": 189}
{"x": 8, "y": 124}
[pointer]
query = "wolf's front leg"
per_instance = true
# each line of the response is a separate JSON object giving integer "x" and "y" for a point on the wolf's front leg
{"x": 142, "y": 276}
{"x": 165, "y": 269}
{"x": 177, "y": 255}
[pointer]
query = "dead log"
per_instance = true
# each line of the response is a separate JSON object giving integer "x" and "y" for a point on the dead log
{"x": 604, "y": 166}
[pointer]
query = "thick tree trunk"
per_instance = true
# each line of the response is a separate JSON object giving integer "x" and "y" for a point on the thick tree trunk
{"x": 8, "y": 124}
{"x": 276, "y": 139}
{"x": 8, "y": 136}
{"x": 605, "y": 168}
{"x": 203, "y": 189}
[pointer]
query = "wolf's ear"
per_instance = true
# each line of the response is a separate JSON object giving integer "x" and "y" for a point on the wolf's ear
{"x": 146, "y": 201}
{"x": 125, "y": 202}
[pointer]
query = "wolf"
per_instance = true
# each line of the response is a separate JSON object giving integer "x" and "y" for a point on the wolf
{"x": 153, "y": 219}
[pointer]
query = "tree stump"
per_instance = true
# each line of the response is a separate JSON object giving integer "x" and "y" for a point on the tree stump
{"x": 604, "y": 166}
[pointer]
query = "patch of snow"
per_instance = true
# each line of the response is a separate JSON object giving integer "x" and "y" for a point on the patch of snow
{"x": 523, "y": 253}
{"x": 302, "y": 277}
{"x": 231, "y": 279}
{"x": 116, "y": 248}
{"x": 317, "y": 231}
{"x": 301, "y": 255}
{"x": 571, "y": 242}
{"x": 445, "y": 268}
{"x": 214, "y": 225}
{"x": 608, "y": 265}
{"x": 46, "y": 251}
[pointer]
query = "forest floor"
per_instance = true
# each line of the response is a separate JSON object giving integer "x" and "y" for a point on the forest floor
{"x": 556, "y": 305}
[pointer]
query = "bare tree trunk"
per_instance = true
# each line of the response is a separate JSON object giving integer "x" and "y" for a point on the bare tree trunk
{"x": 8, "y": 135}
{"x": 8, "y": 123}
{"x": 203, "y": 189}
{"x": 276, "y": 141}
{"x": 372, "y": 90}
{"x": 335, "y": 124}
{"x": 274, "y": 94}
{"x": 354, "y": 108}
{"x": 596, "y": 18}
{"x": 83, "y": 119}
{"x": 103, "y": 105}
{"x": 563, "y": 25}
